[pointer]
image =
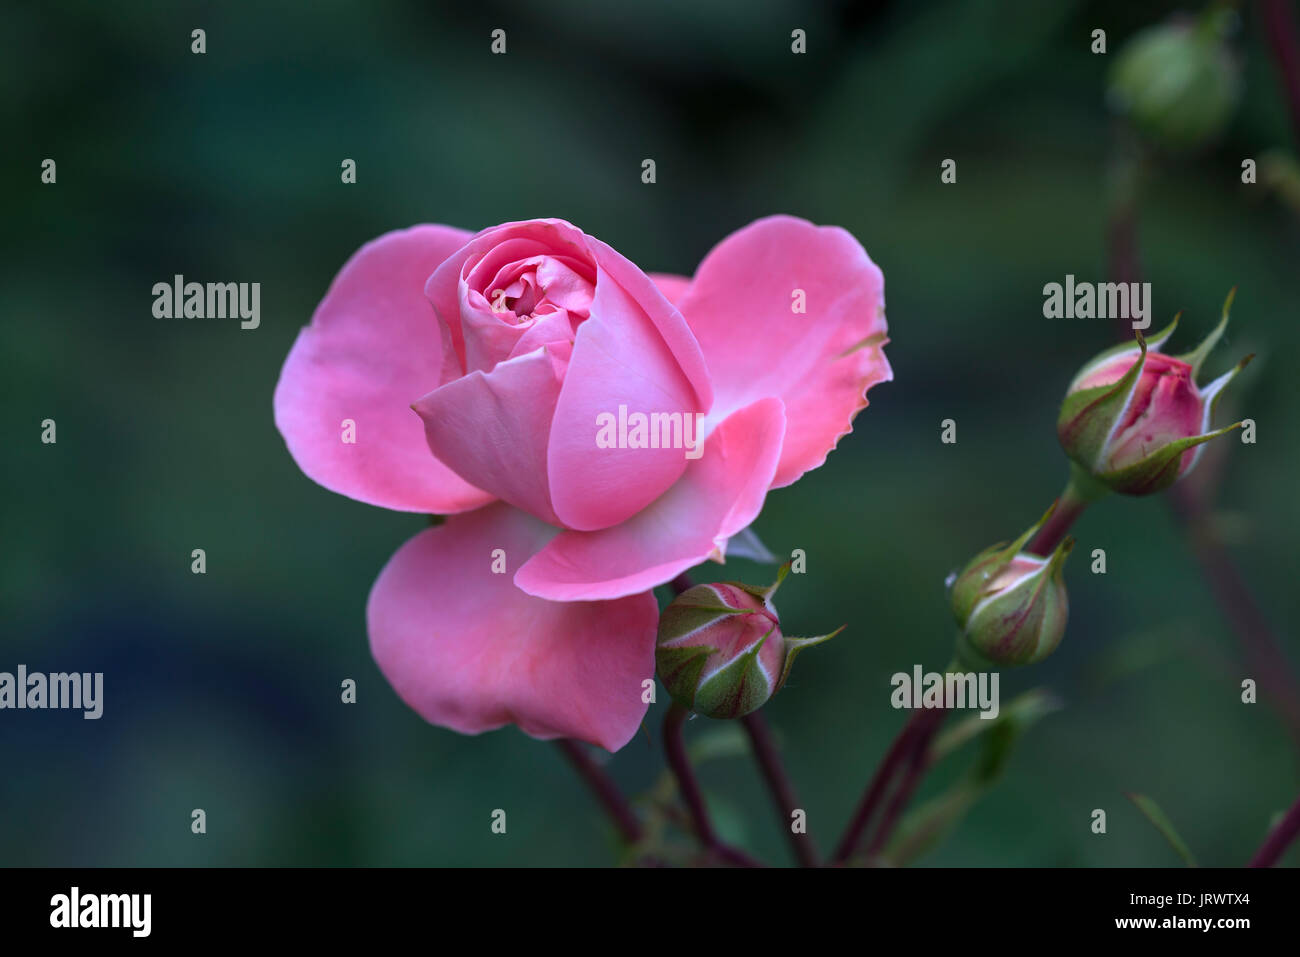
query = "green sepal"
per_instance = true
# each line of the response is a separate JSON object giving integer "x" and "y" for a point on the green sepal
{"x": 1197, "y": 356}
{"x": 680, "y": 669}
{"x": 795, "y": 645}
{"x": 1024, "y": 623}
{"x": 968, "y": 589}
{"x": 765, "y": 594}
{"x": 1154, "y": 343}
{"x": 693, "y": 609}
{"x": 737, "y": 688}
{"x": 1088, "y": 417}
{"x": 1159, "y": 470}
{"x": 1210, "y": 394}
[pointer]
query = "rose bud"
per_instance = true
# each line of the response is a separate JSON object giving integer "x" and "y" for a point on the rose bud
{"x": 1133, "y": 417}
{"x": 720, "y": 650}
{"x": 1011, "y": 605}
{"x": 1177, "y": 82}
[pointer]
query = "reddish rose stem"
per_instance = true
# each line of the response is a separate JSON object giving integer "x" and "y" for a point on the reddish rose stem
{"x": 1280, "y": 28}
{"x": 605, "y": 790}
{"x": 769, "y": 762}
{"x": 907, "y": 759}
{"x": 1279, "y": 839}
{"x": 1262, "y": 648}
{"x": 918, "y": 763}
{"x": 1068, "y": 509}
{"x": 899, "y": 752}
{"x": 779, "y": 783}
{"x": 675, "y": 749}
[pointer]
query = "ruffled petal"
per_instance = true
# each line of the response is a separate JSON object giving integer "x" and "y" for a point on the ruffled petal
{"x": 743, "y": 308}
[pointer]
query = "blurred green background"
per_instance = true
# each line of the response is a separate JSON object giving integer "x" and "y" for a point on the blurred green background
{"x": 222, "y": 691}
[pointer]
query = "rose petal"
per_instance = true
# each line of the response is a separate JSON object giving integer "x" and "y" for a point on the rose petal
{"x": 668, "y": 320}
{"x": 635, "y": 351}
{"x": 740, "y": 307}
{"x": 469, "y": 651}
{"x": 1164, "y": 407}
{"x": 373, "y": 347}
{"x": 519, "y": 240}
{"x": 672, "y": 286}
{"x": 718, "y": 496}
{"x": 492, "y": 428}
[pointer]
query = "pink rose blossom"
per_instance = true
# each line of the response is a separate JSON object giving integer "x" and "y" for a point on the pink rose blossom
{"x": 510, "y": 345}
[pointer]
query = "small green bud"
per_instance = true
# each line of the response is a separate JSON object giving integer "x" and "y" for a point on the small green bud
{"x": 720, "y": 650}
{"x": 1011, "y": 605}
{"x": 1177, "y": 81}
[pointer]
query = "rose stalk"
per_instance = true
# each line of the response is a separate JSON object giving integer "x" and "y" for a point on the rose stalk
{"x": 721, "y": 654}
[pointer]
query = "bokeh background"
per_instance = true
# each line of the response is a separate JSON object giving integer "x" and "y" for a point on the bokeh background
{"x": 222, "y": 690}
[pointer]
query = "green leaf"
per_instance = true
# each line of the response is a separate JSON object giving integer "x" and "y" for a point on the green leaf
{"x": 1023, "y": 711}
{"x": 923, "y": 829}
{"x": 1152, "y": 812}
{"x": 722, "y": 740}
{"x": 1088, "y": 416}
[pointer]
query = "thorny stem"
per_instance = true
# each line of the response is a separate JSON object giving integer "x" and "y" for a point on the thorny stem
{"x": 605, "y": 790}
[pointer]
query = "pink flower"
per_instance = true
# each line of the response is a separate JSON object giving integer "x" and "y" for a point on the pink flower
{"x": 524, "y": 350}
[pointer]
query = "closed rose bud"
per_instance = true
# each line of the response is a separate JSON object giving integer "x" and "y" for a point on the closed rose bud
{"x": 1177, "y": 82}
{"x": 1134, "y": 417}
{"x": 1011, "y": 605}
{"x": 720, "y": 650}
